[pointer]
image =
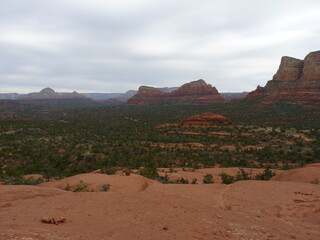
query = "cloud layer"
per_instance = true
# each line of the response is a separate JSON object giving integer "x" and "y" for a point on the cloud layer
{"x": 114, "y": 46}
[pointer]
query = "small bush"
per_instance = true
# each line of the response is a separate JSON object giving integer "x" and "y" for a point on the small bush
{"x": 228, "y": 207}
{"x": 227, "y": 179}
{"x": 208, "y": 178}
{"x": 13, "y": 180}
{"x": 82, "y": 187}
{"x": 67, "y": 188}
{"x": 315, "y": 181}
{"x": 110, "y": 171}
{"x": 194, "y": 181}
{"x": 265, "y": 175}
{"x": 149, "y": 172}
{"x": 242, "y": 175}
{"x": 164, "y": 179}
{"x": 105, "y": 188}
{"x": 182, "y": 180}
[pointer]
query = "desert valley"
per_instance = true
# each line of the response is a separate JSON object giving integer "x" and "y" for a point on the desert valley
{"x": 172, "y": 163}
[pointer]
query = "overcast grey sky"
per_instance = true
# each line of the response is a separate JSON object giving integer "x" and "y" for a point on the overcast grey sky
{"x": 117, "y": 45}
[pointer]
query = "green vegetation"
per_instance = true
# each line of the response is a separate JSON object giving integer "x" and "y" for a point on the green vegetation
{"x": 105, "y": 188}
{"x": 182, "y": 180}
{"x": 242, "y": 175}
{"x": 82, "y": 187}
{"x": 266, "y": 175}
{"x": 60, "y": 142}
{"x": 18, "y": 180}
{"x": 208, "y": 178}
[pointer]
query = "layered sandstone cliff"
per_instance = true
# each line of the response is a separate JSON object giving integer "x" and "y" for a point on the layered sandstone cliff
{"x": 296, "y": 81}
{"x": 196, "y": 93}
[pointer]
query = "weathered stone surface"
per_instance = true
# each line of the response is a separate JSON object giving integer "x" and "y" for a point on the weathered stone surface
{"x": 196, "y": 93}
{"x": 296, "y": 82}
{"x": 311, "y": 69}
{"x": 204, "y": 120}
{"x": 290, "y": 69}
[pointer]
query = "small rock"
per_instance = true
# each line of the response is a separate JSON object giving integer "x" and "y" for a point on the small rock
{"x": 53, "y": 220}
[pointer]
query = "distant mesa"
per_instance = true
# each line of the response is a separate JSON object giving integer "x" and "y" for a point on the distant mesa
{"x": 204, "y": 120}
{"x": 193, "y": 93}
{"x": 48, "y": 93}
{"x": 296, "y": 81}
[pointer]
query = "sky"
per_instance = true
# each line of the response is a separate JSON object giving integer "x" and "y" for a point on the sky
{"x": 118, "y": 45}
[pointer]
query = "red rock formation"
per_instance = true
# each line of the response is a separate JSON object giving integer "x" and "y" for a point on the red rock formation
{"x": 311, "y": 69}
{"x": 196, "y": 93}
{"x": 255, "y": 93}
{"x": 204, "y": 120}
{"x": 296, "y": 81}
{"x": 290, "y": 69}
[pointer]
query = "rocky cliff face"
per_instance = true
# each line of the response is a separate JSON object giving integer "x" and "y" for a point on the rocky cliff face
{"x": 311, "y": 68}
{"x": 296, "y": 81}
{"x": 196, "y": 93}
{"x": 290, "y": 69}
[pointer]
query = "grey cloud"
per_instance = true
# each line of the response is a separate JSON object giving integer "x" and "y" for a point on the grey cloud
{"x": 114, "y": 46}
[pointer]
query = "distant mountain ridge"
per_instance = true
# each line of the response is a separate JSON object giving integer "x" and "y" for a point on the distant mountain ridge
{"x": 49, "y": 93}
{"x": 195, "y": 93}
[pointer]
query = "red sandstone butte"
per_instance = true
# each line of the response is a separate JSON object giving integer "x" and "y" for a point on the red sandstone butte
{"x": 296, "y": 81}
{"x": 193, "y": 93}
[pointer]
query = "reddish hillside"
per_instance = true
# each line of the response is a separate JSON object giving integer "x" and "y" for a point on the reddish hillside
{"x": 194, "y": 93}
{"x": 205, "y": 119}
{"x": 308, "y": 174}
{"x": 296, "y": 81}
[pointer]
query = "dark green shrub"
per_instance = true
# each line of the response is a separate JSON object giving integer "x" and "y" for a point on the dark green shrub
{"x": 13, "y": 180}
{"x": 149, "y": 172}
{"x": 67, "y": 188}
{"x": 208, "y": 178}
{"x": 110, "y": 171}
{"x": 265, "y": 175}
{"x": 242, "y": 175}
{"x": 182, "y": 180}
{"x": 105, "y": 188}
{"x": 82, "y": 187}
{"x": 227, "y": 179}
{"x": 164, "y": 179}
{"x": 194, "y": 181}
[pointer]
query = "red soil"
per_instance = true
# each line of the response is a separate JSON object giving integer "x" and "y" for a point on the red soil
{"x": 243, "y": 210}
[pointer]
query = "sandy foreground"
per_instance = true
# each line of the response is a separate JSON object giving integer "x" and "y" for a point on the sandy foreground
{"x": 139, "y": 208}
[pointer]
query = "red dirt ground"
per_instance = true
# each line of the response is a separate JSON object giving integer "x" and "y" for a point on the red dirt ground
{"x": 138, "y": 208}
